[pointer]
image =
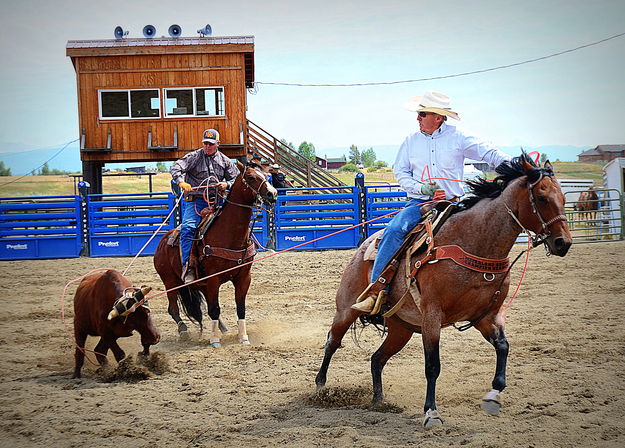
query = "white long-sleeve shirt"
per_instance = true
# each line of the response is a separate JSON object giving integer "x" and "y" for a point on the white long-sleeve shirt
{"x": 444, "y": 153}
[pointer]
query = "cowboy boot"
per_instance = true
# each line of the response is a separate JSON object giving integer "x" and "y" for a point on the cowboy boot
{"x": 371, "y": 304}
{"x": 190, "y": 269}
{"x": 188, "y": 273}
{"x": 366, "y": 306}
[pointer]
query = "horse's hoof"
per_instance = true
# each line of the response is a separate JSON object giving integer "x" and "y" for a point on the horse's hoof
{"x": 244, "y": 342}
{"x": 432, "y": 419}
{"x": 184, "y": 336}
{"x": 491, "y": 403}
{"x": 215, "y": 344}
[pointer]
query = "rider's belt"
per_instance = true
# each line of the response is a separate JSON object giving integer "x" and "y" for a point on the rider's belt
{"x": 193, "y": 195}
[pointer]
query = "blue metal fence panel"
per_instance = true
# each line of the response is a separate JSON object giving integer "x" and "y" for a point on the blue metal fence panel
{"x": 40, "y": 227}
{"x": 312, "y": 213}
{"x": 121, "y": 224}
{"x": 383, "y": 200}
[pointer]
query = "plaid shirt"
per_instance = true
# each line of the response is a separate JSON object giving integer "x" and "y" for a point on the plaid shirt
{"x": 195, "y": 167}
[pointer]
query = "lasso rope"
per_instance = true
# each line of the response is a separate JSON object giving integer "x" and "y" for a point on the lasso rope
{"x": 423, "y": 178}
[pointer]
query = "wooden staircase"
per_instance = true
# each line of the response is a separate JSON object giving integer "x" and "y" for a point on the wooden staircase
{"x": 304, "y": 172}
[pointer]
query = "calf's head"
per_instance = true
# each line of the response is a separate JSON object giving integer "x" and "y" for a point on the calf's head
{"x": 134, "y": 307}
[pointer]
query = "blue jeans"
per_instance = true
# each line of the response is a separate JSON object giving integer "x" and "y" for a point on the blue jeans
{"x": 394, "y": 234}
{"x": 190, "y": 220}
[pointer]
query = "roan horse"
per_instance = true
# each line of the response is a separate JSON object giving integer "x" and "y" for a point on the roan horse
{"x": 522, "y": 197}
{"x": 225, "y": 245}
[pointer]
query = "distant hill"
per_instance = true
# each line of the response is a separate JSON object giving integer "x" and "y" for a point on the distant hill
{"x": 23, "y": 161}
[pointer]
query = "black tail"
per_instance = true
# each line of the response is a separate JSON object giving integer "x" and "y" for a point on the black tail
{"x": 191, "y": 301}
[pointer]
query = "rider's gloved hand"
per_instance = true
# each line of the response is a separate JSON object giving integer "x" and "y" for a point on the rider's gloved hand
{"x": 222, "y": 186}
{"x": 428, "y": 189}
{"x": 185, "y": 186}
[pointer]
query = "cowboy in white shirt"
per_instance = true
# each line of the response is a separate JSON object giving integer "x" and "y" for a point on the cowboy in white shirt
{"x": 437, "y": 150}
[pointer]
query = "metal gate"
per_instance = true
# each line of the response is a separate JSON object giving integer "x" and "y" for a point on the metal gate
{"x": 603, "y": 223}
{"x": 313, "y": 213}
{"x": 121, "y": 224}
{"x": 40, "y": 227}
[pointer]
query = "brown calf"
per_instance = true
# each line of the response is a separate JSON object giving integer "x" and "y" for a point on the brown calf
{"x": 96, "y": 313}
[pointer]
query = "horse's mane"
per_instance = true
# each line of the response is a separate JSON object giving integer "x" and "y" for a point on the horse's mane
{"x": 253, "y": 165}
{"x": 507, "y": 172}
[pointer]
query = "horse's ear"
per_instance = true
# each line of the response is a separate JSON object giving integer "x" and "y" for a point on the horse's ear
{"x": 548, "y": 165}
{"x": 240, "y": 166}
{"x": 527, "y": 166}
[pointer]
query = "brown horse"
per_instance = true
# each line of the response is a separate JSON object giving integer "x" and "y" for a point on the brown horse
{"x": 225, "y": 245}
{"x": 523, "y": 196}
{"x": 587, "y": 205}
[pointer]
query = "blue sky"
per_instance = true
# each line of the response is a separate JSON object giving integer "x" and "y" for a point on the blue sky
{"x": 574, "y": 99}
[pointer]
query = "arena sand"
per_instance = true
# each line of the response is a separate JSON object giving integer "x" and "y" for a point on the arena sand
{"x": 566, "y": 374}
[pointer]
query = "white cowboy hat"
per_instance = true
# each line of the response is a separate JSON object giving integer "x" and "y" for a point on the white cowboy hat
{"x": 432, "y": 102}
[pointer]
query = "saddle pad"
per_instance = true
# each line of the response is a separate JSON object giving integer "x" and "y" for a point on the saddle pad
{"x": 372, "y": 249}
{"x": 174, "y": 238}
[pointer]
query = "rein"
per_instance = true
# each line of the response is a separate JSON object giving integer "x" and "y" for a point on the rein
{"x": 242, "y": 255}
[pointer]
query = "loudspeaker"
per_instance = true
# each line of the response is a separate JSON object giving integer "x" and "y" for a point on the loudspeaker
{"x": 175, "y": 31}
{"x": 149, "y": 31}
{"x": 120, "y": 33}
{"x": 206, "y": 31}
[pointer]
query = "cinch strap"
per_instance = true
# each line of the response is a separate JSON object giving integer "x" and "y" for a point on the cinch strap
{"x": 473, "y": 262}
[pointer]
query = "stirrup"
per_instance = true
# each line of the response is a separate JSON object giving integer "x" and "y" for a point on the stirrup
{"x": 372, "y": 304}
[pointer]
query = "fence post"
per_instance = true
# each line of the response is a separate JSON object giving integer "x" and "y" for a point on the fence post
{"x": 271, "y": 226}
{"x": 83, "y": 191}
{"x": 359, "y": 181}
{"x": 175, "y": 188}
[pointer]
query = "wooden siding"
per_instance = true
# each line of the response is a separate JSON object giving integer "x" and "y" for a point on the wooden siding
{"x": 158, "y": 71}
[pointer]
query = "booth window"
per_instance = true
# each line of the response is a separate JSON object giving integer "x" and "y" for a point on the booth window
{"x": 119, "y": 104}
{"x": 196, "y": 101}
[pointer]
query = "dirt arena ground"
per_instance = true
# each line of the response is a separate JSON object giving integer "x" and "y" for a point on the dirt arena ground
{"x": 566, "y": 374}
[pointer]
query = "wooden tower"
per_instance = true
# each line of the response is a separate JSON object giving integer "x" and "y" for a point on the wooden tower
{"x": 149, "y": 100}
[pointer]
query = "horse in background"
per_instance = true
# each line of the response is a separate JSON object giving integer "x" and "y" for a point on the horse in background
{"x": 439, "y": 293}
{"x": 587, "y": 206}
{"x": 225, "y": 245}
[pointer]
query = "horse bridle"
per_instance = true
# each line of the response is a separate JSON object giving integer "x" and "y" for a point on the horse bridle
{"x": 546, "y": 230}
{"x": 247, "y": 185}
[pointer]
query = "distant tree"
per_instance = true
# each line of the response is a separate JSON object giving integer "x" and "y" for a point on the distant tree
{"x": 354, "y": 155}
{"x": 45, "y": 170}
{"x": 4, "y": 171}
{"x": 544, "y": 157}
{"x": 160, "y": 166}
{"x": 58, "y": 172}
{"x": 349, "y": 167}
{"x": 307, "y": 150}
{"x": 289, "y": 144}
{"x": 368, "y": 157}
{"x": 380, "y": 164}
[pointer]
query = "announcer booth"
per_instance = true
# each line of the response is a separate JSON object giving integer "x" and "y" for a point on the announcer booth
{"x": 149, "y": 99}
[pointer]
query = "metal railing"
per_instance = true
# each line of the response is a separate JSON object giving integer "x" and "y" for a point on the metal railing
{"x": 303, "y": 171}
{"x": 602, "y": 221}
